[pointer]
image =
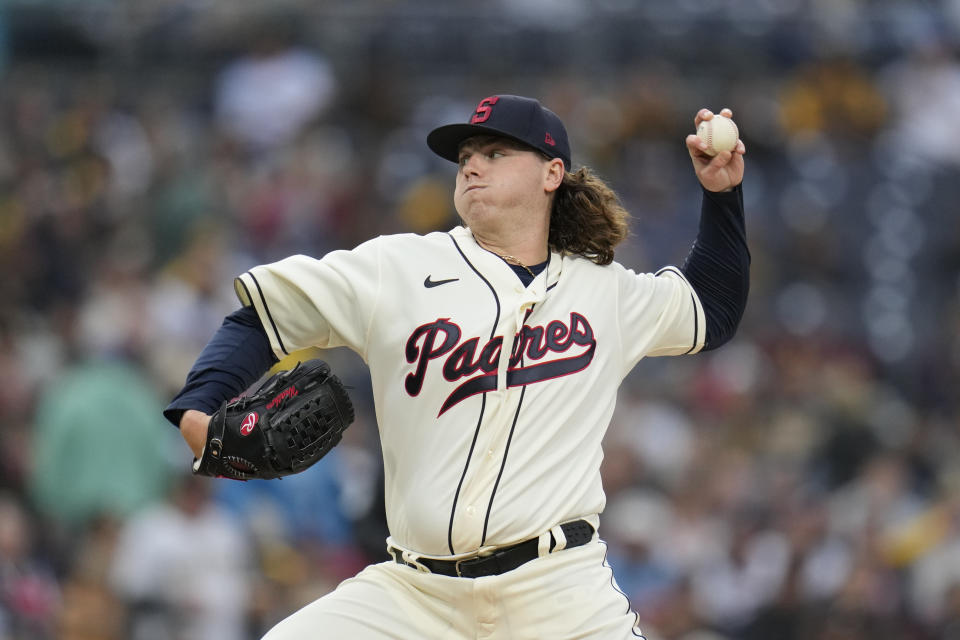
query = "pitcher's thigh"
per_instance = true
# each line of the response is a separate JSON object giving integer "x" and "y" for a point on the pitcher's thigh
{"x": 570, "y": 594}
{"x": 374, "y": 605}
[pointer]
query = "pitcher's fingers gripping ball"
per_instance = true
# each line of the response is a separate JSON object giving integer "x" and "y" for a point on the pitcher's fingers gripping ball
{"x": 295, "y": 418}
{"x": 720, "y": 133}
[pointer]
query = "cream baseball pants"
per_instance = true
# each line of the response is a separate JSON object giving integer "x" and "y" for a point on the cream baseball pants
{"x": 561, "y": 596}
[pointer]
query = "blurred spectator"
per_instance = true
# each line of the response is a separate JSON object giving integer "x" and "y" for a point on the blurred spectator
{"x": 187, "y": 301}
{"x": 122, "y": 140}
{"x": 306, "y": 507}
{"x": 635, "y": 520}
{"x": 183, "y": 568}
{"x": 112, "y": 319}
{"x": 924, "y": 91}
{"x": 101, "y": 445}
{"x": 785, "y": 616}
{"x": 880, "y": 499}
{"x": 699, "y": 535}
{"x": 834, "y": 95}
{"x": 949, "y": 628}
{"x": 935, "y": 575}
{"x": 660, "y": 435}
{"x": 731, "y": 591}
{"x": 29, "y": 593}
{"x": 266, "y": 96}
{"x": 866, "y": 607}
{"x": 91, "y": 610}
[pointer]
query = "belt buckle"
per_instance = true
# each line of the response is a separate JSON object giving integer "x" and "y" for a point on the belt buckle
{"x": 469, "y": 562}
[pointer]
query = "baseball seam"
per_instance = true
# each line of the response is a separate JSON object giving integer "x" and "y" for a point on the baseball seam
{"x": 736, "y": 134}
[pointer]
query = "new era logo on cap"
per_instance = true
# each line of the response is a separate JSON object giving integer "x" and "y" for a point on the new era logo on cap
{"x": 516, "y": 117}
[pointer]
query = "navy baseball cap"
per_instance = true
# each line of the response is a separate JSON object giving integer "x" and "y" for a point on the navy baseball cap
{"x": 516, "y": 117}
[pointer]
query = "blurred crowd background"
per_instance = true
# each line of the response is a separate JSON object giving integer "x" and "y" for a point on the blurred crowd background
{"x": 801, "y": 482}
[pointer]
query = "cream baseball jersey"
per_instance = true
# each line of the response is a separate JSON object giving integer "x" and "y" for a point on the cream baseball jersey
{"x": 491, "y": 398}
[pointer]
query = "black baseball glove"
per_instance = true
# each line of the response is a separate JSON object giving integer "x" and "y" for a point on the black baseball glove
{"x": 295, "y": 418}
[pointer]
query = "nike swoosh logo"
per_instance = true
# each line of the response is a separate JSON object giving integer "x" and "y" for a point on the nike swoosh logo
{"x": 429, "y": 284}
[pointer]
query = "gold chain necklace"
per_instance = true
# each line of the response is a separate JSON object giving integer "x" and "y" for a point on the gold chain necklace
{"x": 512, "y": 260}
{"x": 509, "y": 259}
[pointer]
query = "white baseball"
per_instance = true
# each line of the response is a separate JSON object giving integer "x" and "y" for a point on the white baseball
{"x": 720, "y": 133}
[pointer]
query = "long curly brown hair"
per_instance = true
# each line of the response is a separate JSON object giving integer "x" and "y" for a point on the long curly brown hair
{"x": 587, "y": 218}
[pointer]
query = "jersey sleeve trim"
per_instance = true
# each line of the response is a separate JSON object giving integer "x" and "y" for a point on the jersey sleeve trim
{"x": 243, "y": 294}
{"x": 259, "y": 303}
{"x": 696, "y": 325}
{"x": 698, "y": 318}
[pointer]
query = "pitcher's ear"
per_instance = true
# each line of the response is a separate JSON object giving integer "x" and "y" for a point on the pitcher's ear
{"x": 554, "y": 176}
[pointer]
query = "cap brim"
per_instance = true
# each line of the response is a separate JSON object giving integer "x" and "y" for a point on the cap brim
{"x": 445, "y": 141}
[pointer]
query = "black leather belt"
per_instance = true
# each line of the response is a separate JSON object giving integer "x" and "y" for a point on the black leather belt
{"x": 577, "y": 533}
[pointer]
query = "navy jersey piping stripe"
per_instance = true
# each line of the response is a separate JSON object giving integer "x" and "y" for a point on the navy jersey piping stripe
{"x": 266, "y": 308}
{"x": 672, "y": 269}
{"x": 456, "y": 496}
{"x": 496, "y": 319}
{"x": 503, "y": 464}
{"x": 696, "y": 314}
{"x": 630, "y": 609}
{"x": 557, "y": 276}
{"x": 483, "y": 404}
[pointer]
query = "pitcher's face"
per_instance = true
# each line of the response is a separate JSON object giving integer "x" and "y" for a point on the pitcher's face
{"x": 499, "y": 178}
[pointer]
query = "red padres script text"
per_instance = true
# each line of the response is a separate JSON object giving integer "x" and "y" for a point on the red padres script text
{"x": 289, "y": 392}
{"x": 441, "y": 338}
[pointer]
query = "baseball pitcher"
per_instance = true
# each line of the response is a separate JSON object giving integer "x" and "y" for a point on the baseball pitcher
{"x": 495, "y": 351}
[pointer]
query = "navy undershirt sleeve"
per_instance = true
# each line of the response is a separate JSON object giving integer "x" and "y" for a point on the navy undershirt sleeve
{"x": 237, "y": 355}
{"x": 718, "y": 265}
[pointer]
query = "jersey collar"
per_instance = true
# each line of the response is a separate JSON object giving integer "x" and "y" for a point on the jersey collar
{"x": 499, "y": 272}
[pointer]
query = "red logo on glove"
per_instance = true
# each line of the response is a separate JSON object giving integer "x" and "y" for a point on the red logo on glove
{"x": 246, "y": 427}
{"x": 289, "y": 392}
